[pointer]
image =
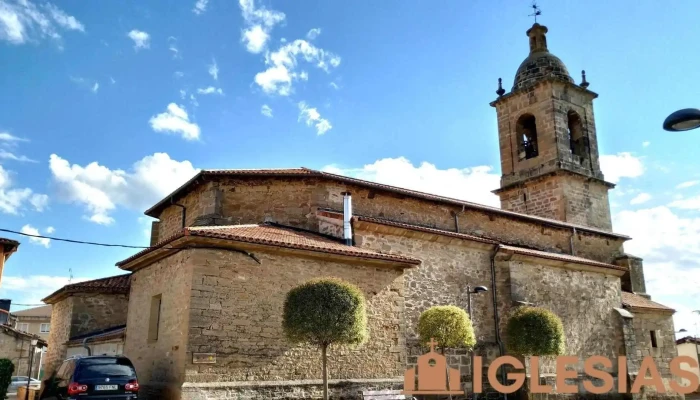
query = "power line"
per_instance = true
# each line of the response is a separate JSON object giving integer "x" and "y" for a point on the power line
{"x": 251, "y": 255}
{"x": 75, "y": 241}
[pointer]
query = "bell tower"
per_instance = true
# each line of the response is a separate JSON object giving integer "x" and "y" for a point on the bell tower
{"x": 547, "y": 140}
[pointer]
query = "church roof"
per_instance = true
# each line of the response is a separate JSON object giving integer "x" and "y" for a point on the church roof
{"x": 118, "y": 284}
{"x": 641, "y": 303}
{"x": 277, "y": 236}
{"x": 540, "y": 64}
{"x": 301, "y": 173}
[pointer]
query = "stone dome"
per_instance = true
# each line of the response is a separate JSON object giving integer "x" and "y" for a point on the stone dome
{"x": 540, "y": 63}
{"x": 538, "y": 66}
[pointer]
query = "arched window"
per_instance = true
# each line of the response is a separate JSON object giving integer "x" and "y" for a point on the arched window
{"x": 577, "y": 141}
{"x": 526, "y": 130}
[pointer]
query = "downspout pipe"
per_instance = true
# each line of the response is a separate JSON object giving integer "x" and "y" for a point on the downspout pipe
{"x": 184, "y": 211}
{"x": 496, "y": 319}
{"x": 86, "y": 347}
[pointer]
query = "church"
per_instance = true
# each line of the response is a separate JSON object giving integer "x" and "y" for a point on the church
{"x": 205, "y": 301}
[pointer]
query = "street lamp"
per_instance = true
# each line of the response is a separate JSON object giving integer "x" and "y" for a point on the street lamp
{"x": 683, "y": 120}
{"x": 31, "y": 359}
{"x": 470, "y": 292}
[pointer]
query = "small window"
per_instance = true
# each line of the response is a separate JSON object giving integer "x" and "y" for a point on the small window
{"x": 154, "y": 318}
{"x": 526, "y": 130}
{"x": 44, "y": 328}
{"x": 24, "y": 327}
{"x": 653, "y": 339}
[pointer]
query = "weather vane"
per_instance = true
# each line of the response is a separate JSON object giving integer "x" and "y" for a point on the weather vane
{"x": 536, "y": 10}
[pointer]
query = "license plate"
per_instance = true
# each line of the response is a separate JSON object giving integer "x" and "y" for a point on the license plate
{"x": 106, "y": 387}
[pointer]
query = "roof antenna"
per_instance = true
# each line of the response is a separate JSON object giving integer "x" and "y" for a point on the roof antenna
{"x": 536, "y": 10}
{"x": 70, "y": 275}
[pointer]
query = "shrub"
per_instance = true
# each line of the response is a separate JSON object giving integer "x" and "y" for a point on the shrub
{"x": 450, "y": 326}
{"x": 6, "y": 371}
{"x": 325, "y": 311}
{"x": 534, "y": 331}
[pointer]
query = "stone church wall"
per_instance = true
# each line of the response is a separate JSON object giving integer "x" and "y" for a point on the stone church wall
{"x": 160, "y": 363}
{"x": 61, "y": 317}
{"x": 587, "y": 203}
{"x": 236, "y": 312}
{"x": 295, "y": 202}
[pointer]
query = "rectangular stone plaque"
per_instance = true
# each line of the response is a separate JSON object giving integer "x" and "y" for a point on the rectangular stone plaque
{"x": 204, "y": 358}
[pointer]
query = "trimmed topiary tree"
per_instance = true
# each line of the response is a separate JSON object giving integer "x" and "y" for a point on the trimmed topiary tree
{"x": 325, "y": 311}
{"x": 6, "y": 371}
{"x": 450, "y": 326}
{"x": 534, "y": 331}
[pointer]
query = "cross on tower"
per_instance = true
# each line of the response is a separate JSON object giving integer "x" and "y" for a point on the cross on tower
{"x": 536, "y": 10}
{"x": 432, "y": 344}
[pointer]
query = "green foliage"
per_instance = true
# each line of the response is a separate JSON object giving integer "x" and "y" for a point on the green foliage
{"x": 6, "y": 371}
{"x": 534, "y": 331}
{"x": 450, "y": 326}
{"x": 325, "y": 311}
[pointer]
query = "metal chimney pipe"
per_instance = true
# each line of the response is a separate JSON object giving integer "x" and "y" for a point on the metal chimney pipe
{"x": 347, "y": 215}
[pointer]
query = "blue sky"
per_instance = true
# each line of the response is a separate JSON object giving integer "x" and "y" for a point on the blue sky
{"x": 107, "y": 106}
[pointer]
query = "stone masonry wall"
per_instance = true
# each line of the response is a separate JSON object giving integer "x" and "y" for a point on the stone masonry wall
{"x": 160, "y": 363}
{"x": 662, "y": 325}
{"x": 61, "y": 317}
{"x": 16, "y": 348}
{"x": 584, "y": 301}
{"x": 448, "y": 266}
{"x": 542, "y": 197}
{"x": 295, "y": 202}
{"x": 95, "y": 311}
{"x": 587, "y": 203}
{"x": 236, "y": 313}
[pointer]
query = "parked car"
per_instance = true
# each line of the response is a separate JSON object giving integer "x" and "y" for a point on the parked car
{"x": 18, "y": 381}
{"x": 93, "y": 377}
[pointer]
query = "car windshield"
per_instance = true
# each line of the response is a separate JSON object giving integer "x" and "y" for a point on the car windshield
{"x": 99, "y": 367}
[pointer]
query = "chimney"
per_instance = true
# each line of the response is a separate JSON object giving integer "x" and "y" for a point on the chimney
{"x": 5, "y": 311}
{"x": 347, "y": 215}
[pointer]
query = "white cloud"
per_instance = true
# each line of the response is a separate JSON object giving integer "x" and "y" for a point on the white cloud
{"x": 50, "y": 230}
{"x": 210, "y": 90}
{"x": 687, "y": 184}
{"x": 640, "y": 198}
{"x": 311, "y": 116}
{"x": 668, "y": 244}
{"x": 175, "y": 120}
{"x": 9, "y": 138}
{"x": 259, "y": 23}
{"x": 183, "y": 94}
{"x": 101, "y": 190}
{"x": 692, "y": 203}
{"x": 282, "y": 64}
{"x": 255, "y": 38}
{"x": 214, "y": 69}
{"x": 30, "y": 230}
{"x": 95, "y": 87}
{"x": 13, "y": 200}
{"x": 646, "y": 144}
{"x": 266, "y": 111}
{"x": 621, "y": 165}
{"x": 112, "y": 80}
{"x": 172, "y": 46}
{"x": 200, "y": 6}
{"x": 6, "y": 155}
{"x": 178, "y": 74}
{"x": 313, "y": 33}
{"x": 142, "y": 40}
{"x": 334, "y": 85}
{"x": 30, "y": 289}
{"x": 471, "y": 184}
{"x": 21, "y": 21}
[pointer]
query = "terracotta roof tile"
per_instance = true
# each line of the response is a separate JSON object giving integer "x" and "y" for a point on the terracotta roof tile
{"x": 9, "y": 245}
{"x": 279, "y": 236}
{"x": 111, "y": 284}
{"x": 561, "y": 257}
{"x": 515, "y": 249}
{"x": 419, "y": 228}
{"x": 688, "y": 339}
{"x": 306, "y": 172}
{"x": 633, "y": 301}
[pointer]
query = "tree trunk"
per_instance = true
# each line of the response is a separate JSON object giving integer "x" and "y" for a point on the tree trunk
{"x": 325, "y": 371}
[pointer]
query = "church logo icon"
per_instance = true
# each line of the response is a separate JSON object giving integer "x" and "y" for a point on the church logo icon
{"x": 434, "y": 375}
